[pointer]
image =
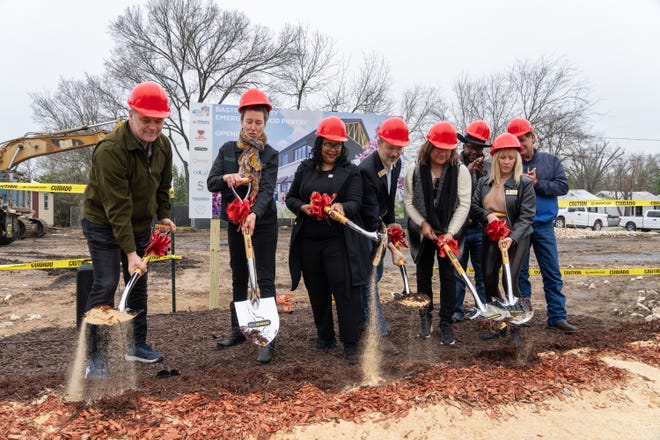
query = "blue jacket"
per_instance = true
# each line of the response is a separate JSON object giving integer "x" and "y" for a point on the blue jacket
{"x": 551, "y": 182}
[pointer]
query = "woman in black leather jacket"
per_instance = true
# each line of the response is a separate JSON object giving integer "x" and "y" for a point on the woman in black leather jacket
{"x": 505, "y": 194}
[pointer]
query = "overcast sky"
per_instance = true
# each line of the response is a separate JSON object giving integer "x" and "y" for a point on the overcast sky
{"x": 614, "y": 45}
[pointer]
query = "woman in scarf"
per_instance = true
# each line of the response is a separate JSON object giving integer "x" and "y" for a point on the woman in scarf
{"x": 250, "y": 157}
{"x": 332, "y": 258}
{"x": 437, "y": 200}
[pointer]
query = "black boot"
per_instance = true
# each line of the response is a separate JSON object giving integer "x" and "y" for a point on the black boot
{"x": 266, "y": 353}
{"x": 426, "y": 324}
{"x": 235, "y": 336}
{"x": 516, "y": 338}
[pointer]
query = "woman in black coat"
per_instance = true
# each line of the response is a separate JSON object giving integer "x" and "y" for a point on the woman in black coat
{"x": 250, "y": 157}
{"x": 333, "y": 259}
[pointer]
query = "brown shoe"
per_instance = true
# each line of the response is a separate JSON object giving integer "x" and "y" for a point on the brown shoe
{"x": 565, "y": 327}
{"x": 388, "y": 347}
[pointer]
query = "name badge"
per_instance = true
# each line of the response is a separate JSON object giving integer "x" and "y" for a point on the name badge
{"x": 382, "y": 172}
{"x": 511, "y": 192}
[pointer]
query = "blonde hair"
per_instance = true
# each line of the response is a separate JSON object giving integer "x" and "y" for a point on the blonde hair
{"x": 425, "y": 152}
{"x": 495, "y": 167}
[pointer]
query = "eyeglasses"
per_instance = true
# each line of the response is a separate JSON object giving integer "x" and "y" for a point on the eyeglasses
{"x": 331, "y": 146}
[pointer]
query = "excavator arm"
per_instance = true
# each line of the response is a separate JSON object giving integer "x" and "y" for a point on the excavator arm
{"x": 15, "y": 151}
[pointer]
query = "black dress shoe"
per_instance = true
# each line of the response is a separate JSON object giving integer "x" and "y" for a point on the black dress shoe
{"x": 266, "y": 353}
{"x": 565, "y": 327}
{"x": 494, "y": 334}
{"x": 234, "y": 337}
{"x": 350, "y": 354}
{"x": 322, "y": 345}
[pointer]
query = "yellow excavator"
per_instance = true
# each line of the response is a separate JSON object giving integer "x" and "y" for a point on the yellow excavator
{"x": 16, "y": 213}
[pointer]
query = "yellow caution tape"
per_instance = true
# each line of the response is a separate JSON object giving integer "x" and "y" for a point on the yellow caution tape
{"x": 564, "y": 203}
{"x": 74, "y": 188}
{"x": 595, "y": 272}
{"x": 45, "y": 187}
{"x": 67, "y": 264}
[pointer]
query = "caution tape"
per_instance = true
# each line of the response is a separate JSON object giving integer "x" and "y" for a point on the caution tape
{"x": 45, "y": 187}
{"x": 564, "y": 203}
{"x": 67, "y": 264}
{"x": 596, "y": 272}
{"x": 73, "y": 188}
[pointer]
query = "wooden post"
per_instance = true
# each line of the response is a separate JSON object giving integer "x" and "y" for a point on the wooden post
{"x": 214, "y": 261}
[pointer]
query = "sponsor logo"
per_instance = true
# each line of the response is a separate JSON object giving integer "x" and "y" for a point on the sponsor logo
{"x": 201, "y": 122}
{"x": 200, "y": 172}
{"x": 200, "y": 148}
{"x": 202, "y": 111}
{"x": 200, "y": 161}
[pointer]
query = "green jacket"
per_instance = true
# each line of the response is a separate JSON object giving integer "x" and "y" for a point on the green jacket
{"x": 124, "y": 190}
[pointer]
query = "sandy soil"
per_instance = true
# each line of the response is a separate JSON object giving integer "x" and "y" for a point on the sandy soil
{"x": 38, "y": 306}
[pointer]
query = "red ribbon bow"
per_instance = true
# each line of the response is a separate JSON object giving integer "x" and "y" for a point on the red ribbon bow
{"x": 452, "y": 243}
{"x": 497, "y": 229}
{"x": 238, "y": 210}
{"x": 318, "y": 204}
{"x": 160, "y": 244}
{"x": 397, "y": 236}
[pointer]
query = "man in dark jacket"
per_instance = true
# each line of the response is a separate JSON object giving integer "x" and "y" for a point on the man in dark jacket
{"x": 129, "y": 184}
{"x": 474, "y": 141}
{"x": 549, "y": 179}
{"x": 380, "y": 175}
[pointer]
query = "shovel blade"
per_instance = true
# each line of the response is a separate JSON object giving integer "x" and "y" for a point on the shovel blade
{"x": 258, "y": 320}
{"x": 108, "y": 316}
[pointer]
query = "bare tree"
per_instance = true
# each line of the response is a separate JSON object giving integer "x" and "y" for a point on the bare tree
{"x": 367, "y": 92}
{"x": 313, "y": 65}
{"x": 421, "y": 107}
{"x": 587, "y": 166}
{"x": 550, "y": 94}
{"x": 489, "y": 98}
{"x": 196, "y": 51}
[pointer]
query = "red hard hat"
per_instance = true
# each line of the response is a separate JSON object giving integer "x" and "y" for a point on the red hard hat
{"x": 519, "y": 127}
{"x": 333, "y": 129}
{"x": 149, "y": 99}
{"x": 443, "y": 135}
{"x": 506, "y": 140}
{"x": 394, "y": 131}
{"x": 478, "y": 129}
{"x": 253, "y": 97}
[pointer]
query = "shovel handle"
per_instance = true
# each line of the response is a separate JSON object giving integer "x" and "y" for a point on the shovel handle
{"x": 249, "y": 250}
{"x": 505, "y": 252}
{"x": 129, "y": 285}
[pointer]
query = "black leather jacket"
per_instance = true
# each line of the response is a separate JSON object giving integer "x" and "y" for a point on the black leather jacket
{"x": 520, "y": 203}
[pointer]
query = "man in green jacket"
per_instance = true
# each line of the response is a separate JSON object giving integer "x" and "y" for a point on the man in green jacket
{"x": 129, "y": 184}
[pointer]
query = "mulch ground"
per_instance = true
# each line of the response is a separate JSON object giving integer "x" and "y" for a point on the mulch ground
{"x": 226, "y": 394}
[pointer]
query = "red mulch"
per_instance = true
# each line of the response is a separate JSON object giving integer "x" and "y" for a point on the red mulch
{"x": 225, "y": 394}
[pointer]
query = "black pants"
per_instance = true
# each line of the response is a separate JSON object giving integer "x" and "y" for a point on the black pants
{"x": 327, "y": 273}
{"x": 106, "y": 258}
{"x": 491, "y": 262}
{"x": 264, "y": 243}
{"x": 425, "y": 261}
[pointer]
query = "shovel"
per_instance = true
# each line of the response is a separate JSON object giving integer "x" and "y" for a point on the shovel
{"x": 376, "y": 236}
{"x": 491, "y": 311}
{"x": 404, "y": 275}
{"x": 518, "y": 314}
{"x": 258, "y": 318}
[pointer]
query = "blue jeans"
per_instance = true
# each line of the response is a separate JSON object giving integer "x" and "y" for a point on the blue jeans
{"x": 470, "y": 248}
{"x": 366, "y": 297}
{"x": 545, "y": 248}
